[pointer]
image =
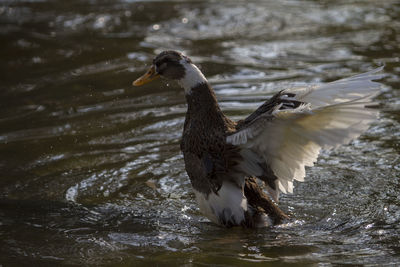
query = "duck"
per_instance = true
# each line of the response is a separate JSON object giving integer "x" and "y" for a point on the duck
{"x": 237, "y": 169}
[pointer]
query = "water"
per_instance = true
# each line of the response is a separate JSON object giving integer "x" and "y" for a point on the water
{"x": 90, "y": 167}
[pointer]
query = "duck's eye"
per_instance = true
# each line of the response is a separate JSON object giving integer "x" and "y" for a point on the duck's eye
{"x": 160, "y": 66}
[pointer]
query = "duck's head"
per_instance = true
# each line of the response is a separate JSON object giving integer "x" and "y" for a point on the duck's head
{"x": 168, "y": 64}
{"x": 173, "y": 65}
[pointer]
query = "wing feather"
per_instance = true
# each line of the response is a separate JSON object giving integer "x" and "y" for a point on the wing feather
{"x": 290, "y": 139}
{"x": 341, "y": 90}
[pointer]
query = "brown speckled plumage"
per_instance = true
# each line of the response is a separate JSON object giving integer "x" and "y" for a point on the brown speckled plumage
{"x": 203, "y": 144}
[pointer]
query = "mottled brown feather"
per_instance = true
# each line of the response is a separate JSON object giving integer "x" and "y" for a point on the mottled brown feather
{"x": 203, "y": 141}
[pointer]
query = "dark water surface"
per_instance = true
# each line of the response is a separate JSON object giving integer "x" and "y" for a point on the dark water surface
{"x": 90, "y": 167}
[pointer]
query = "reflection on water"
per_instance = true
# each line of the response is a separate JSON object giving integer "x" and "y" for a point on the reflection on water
{"x": 91, "y": 171}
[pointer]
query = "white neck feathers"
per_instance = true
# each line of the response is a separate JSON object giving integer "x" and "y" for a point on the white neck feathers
{"x": 192, "y": 78}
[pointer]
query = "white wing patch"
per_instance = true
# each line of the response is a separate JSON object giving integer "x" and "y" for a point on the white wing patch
{"x": 290, "y": 139}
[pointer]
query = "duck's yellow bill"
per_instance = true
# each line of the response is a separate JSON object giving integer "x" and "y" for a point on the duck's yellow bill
{"x": 149, "y": 76}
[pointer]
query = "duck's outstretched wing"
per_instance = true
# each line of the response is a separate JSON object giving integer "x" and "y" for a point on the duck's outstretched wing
{"x": 278, "y": 142}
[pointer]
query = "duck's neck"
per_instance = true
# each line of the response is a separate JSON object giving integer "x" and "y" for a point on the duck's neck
{"x": 199, "y": 94}
{"x": 192, "y": 77}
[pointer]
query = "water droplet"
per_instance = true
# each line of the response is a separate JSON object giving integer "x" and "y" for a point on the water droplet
{"x": 36, "y": 60}
{"x": 369, "y": 226}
